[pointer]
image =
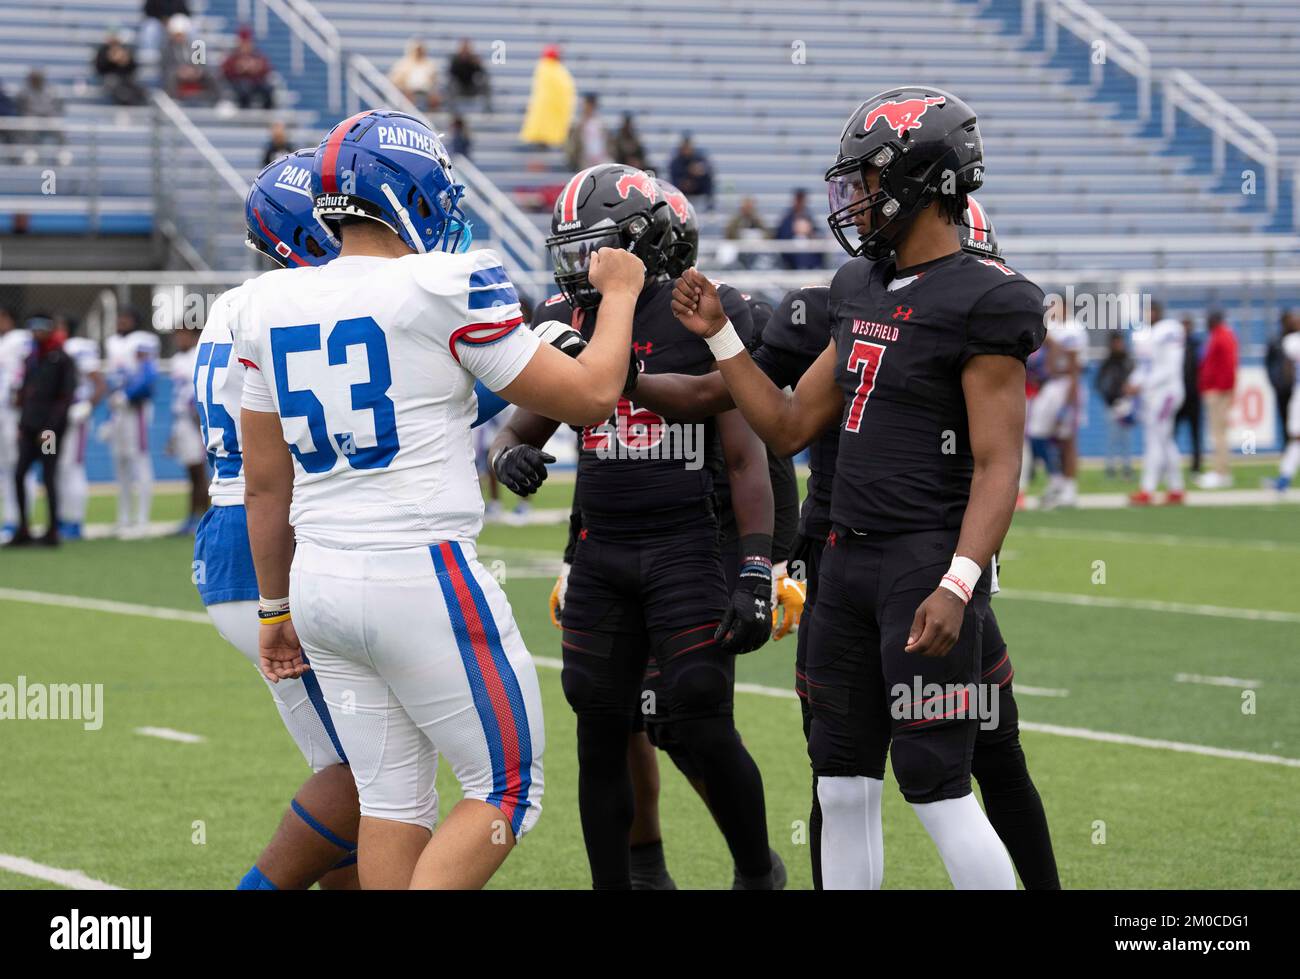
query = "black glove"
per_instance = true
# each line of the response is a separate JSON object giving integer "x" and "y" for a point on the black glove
{"x": 747, "y": 623}
{"x": 521, "y": 468}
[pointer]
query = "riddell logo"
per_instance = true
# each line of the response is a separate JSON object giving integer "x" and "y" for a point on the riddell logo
{"x": 901, "y": 116}
{"x": 638, "y": 182}
{"x": 569, "y": 225}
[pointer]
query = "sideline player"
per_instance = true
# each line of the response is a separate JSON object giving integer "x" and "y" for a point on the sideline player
{"x": 185, "y": 443}
{"x": 925, "y": 375}
{"x": 132, "y": 358}
{"x": 359, "y": 472}
{"x": 1053, "y": 414}
{"x": 15, "y": 344}
{"x": 74, "y": 487}
{"x": 1157, "y": 380}
{"x": 647, "y": 579}
{"x": 1290, "y": 461}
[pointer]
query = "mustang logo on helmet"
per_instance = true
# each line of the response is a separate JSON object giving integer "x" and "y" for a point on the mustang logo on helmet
{"x": 639, "y": 182}
{"x": 901, "y": 116}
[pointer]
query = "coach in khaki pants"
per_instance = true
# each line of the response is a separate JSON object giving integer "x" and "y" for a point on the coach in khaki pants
{"x": 1217, "y": 381}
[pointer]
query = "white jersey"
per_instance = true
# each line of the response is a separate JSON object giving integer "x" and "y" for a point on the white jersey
{"x": 1291, "y": 350}
{"x": 123, "y": 353}
{"x": 14, "y": 348}
{"x": 218, "y": 388}
{"x": 1158, "y": 352}
{"x": 1067, "y": 337}
{"x": 85, "y": 354}
{"x": 370, "y": 363}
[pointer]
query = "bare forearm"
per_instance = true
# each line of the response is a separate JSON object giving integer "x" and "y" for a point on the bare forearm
{"x": 993, "y": 491}
{"x": 607, "y": 354}
{"x": 270, "y": 536}
{"x": 684, "y": 396}
{"x": 769, "y": 410}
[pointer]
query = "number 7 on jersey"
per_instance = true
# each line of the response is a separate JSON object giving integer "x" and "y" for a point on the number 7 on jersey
{"x": 864, "y": 359}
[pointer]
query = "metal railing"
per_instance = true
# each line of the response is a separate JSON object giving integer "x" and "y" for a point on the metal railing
{"x": 1227, "y": 124}
{"x": 307, "y": 29}
{"x": 1091, "y": 26}
{"x": 203, "y": 226}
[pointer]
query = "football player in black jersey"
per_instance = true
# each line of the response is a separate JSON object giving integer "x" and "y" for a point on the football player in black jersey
{"x": 647, "y": 578}
{"x": 925, "y": 377}
{"x": 796, "y": 335}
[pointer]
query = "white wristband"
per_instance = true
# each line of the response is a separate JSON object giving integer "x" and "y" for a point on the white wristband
{"x": 272, "y": 604}
{"x": 962, "y": 577}
{"x": 726, "y": 343}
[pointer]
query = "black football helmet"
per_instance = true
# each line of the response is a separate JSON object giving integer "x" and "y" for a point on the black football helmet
{"x": 684, "y": 250}
{"x": 977, "y": 237}
{"x": 606, "y": 206}
{"x": 923, "y": 144}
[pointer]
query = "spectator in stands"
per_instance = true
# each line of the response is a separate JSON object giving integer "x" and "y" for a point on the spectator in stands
{"x": 416, "y": 76}
{"x": 1112, "y": 377}
{"x": 8, "y": 108}
{"x": 588, "y": 142}
{"x": 467, "y": 75}
{"x": 248, "y": 73}
{"x": 38, "y": 99}
{"x": 49, "y": 382}
{"x": 460, "y": 142}
{"x": 747, "y": 222}
{"x": 185, "y": 75}
{"x": 1218, "y": 381}
{"x": 279, "y": 147}
{"x": 154, "y": 27}
{"x": 691, "y": 171}
{"x": 1190, "y": 413}
{"x": 1281, "y": 371}
{"x": 115, "y": 67}
{"x": 550, "y": 102}
{"x": 626, "y": 146}
{"x": 797, "y": 225}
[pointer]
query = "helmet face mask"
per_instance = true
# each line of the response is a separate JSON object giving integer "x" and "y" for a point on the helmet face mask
{"x": 913, "y": 145}
{"x": 607, "y": 206}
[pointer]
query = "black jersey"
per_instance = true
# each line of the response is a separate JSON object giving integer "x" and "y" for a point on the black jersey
{"x": 638, "y": 464}
{"x": 904, "y": 461}
{"x": 796, "y": 335}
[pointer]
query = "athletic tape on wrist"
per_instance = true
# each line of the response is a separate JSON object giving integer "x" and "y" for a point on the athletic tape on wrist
{"x": 962, "y": 577}
{"x": 726, "y": 343}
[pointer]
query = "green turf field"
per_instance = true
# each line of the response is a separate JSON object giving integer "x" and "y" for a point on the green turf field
{"x": 1102, "y": 610}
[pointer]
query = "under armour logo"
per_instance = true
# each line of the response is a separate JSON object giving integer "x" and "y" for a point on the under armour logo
{"x": 643, "y": 349}
{"x": 902, "y": 312}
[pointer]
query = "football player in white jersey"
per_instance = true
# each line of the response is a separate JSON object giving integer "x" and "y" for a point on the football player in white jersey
{"x": 185, "y": 443}
{"x": 1054, "y": 412}
{"x": 1157, "y": 380}
{"x": 1291, "y": 455}
{"x": 359, "y": 472}
{"x": 15, "y": 344}
{"x": 132, "y": 358}
{"x": 74, "y": 488}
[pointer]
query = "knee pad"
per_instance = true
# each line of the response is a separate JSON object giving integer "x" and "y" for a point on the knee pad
{"x": 702, "y": 688}
{"x": 934, "y": 763}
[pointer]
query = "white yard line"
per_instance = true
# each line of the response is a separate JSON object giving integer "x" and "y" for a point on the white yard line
{"x": 548, "y": 662}
{"x": 1160, "y": 540}
{"x": 1021, "y": 688}
{"x": 74, "y": 879}
{"x": 169, "y": 734}
{"x": 1216, "y": 681}
{"x": 1148, "y": 605}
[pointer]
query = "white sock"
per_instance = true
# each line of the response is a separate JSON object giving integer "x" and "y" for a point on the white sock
{"x": 849, "y": 858}
{"x": 1290, "y": 459}
{"x": 875, "y": 830}
{"x": 967, "y": 842}
{"x": 142, "y": 475}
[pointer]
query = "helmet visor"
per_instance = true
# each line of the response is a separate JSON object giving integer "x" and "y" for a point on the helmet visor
{"x": 571, "y": 254}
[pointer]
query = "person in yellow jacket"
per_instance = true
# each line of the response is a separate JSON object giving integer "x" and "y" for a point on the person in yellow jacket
{"x": 551, "y": 102}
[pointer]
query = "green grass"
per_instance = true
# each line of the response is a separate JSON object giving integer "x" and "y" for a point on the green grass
{"x": 123, "y": 808}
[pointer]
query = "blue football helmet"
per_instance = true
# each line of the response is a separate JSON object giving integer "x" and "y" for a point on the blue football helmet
{"x": 390, "y": 167}
{"x": 278, "y": 211}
